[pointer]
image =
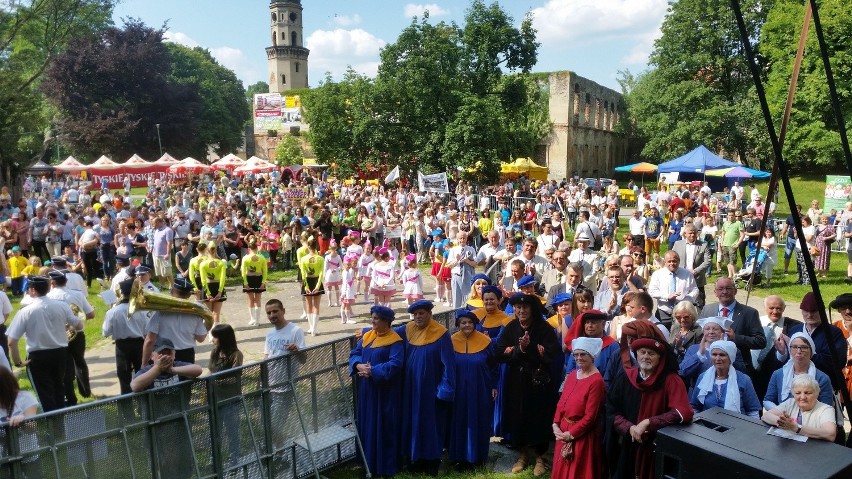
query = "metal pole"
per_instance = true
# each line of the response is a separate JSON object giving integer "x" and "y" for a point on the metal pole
{"x": 159, "y": 141}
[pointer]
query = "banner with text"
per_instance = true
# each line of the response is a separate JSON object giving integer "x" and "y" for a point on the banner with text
{"x": 838, "y": 190}
{"x": 138, "y": 176}
{"x": 435, "y": 183}
{"x": 273, "y": 111}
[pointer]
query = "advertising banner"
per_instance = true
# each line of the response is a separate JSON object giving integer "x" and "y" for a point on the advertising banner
{"x": 838, "y": 190}
{"x": 436, "y": 183}
{"x": 138, "y": 176}
{"x": 273, "y": 111}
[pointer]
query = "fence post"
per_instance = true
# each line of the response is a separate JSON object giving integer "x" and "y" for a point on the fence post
{"x": 213, "y": 418}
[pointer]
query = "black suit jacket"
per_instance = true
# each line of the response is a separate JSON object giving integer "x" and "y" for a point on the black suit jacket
{"x": 771, "y": 363}
{"x": 748, "y": 332}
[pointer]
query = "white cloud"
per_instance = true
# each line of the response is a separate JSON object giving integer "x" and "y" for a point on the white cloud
{"x": 239, "y": 62}
{"x": 180, "y": 39}
{"x": 346, "y": 20}
{"x": 588, "y": 20}
{"x": 642, "y": 48}
{"x": 333, "y": 50}
{"x": 417, "y": 10}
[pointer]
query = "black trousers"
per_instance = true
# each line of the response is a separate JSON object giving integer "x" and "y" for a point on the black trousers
{"x": 39, "y": 249}
{"x": 128, "y": 361}
{"x": 47, "y": 373}
{"x": 90, "y": 261}
{"x": 186, "y": 355}
{"x": 76, "y": 368}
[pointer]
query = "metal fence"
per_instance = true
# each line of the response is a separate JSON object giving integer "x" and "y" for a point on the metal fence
{"x": 286, "y": 417}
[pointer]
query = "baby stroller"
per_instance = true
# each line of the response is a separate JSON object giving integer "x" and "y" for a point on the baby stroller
{"x": 751, "y": 266}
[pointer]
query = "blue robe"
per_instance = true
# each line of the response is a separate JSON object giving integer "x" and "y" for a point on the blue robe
{"x": 776, "y": 382}
{"x": 821, "y": 355}
{"x": 497, "y": 429}
{"x": 472, "y": 417}
{"x": 378, "y": 404}
{"x": 749, "y": 403}
{"x": 428, "y": 389}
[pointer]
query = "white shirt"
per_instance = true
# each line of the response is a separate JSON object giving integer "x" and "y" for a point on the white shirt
{"x": 43, "y": 323}
{"x": 180, "y": 328}
{"x": 637, "y": 226}
{"x": 120, "y": 325}
{"x": 5, "y": 305}
{"x": 660, "y": 287}
{"x": 276, "y": 344}
{"x": 69, "y": 297}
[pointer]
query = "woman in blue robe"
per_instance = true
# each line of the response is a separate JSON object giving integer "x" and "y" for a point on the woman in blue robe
{"x": 491, "y": 322}
{"x": 376, "y": 363}
{"x": 471, "y": 419}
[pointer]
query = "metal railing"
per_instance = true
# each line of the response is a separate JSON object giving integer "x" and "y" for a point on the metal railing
{"x": 286, "y": 417}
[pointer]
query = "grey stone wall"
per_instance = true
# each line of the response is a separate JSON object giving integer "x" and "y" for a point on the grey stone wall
{"x": 583, "y": 140}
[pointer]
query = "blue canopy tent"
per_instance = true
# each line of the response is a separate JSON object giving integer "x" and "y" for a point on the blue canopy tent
{"x": 696, "y": 161}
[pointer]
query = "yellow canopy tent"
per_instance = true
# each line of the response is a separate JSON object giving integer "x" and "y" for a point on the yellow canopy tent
{"x": 525, "y": 166}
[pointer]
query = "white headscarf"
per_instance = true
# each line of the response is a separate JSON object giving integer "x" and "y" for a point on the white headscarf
{"x": 724, "y": 323}
{"x": 787, "y": 369}
{"x": 590, "y": 345}
{"x": 708, "y": 378}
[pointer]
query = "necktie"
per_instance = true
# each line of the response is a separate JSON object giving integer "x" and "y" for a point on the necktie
{"x": 759, "y": 356}
{"x": 724, "y": 312}
{"x": 558, "y": 278}
{"x": 673, "y": 285}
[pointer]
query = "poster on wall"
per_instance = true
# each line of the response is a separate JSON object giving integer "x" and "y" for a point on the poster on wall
{"x": 274, "y": 111}
{"x": 838, "y": 190}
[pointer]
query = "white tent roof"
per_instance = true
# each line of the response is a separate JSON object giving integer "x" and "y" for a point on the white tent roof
{"x": 104, "y": 161}
{"x": 166, "y": 159}
{"x": 71, "y": 164}
{"x": 136, "y": 161}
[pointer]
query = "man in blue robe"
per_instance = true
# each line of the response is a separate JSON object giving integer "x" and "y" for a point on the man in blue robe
{"x": 428, "y": 388}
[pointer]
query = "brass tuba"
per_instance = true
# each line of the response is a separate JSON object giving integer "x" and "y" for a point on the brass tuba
{"x": 70, "y": 331}
{"x": 141, "y": 299}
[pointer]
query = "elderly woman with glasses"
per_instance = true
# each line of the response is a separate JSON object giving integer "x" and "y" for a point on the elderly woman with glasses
{"x": 724, "y": 386}
{"x": 801, "y": 348}
{"x": 685, "y": 330}
{"x": 802, "y": 413}
{"x": 697, "y": 357}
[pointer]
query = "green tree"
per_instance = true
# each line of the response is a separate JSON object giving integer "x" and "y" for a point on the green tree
{"x": 812, "y": 135}
{"x": 289, "y": 151}
{"x": 113, "y": 88}
{"x": 32, "y": 32}
{"x": 224, "y": 111}
{"x": 699, "y": 89}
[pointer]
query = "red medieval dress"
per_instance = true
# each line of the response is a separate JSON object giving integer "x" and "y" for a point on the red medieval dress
{"x": 579, "y": 412}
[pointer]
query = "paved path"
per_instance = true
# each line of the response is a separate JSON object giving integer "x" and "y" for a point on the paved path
{"x": 101, "y": 359}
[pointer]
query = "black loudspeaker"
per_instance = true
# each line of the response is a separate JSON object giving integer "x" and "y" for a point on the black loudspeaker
{"x": 723, "y": 444}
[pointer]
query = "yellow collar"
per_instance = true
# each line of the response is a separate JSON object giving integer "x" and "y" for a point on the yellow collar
{"x": 475, "y": 303}
{"x": 428, "y": 335}
{"x": 554, "y": 321}
{"x": 475, "y": 343}
{"x": 375, "y": 340}
{"x": 494, "y": 320}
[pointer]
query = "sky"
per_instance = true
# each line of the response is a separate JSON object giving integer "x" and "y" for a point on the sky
{"x": 594, "y": 38}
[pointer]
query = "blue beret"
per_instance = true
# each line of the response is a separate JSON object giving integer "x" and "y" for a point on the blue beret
{"x": 562, "y": 298}
{"x": 465, "y": 313}
{"x": 421, "y": 304}
{"x": 383, "y": 312}
{"x": 528, "y": 280}
{"x": 482, "y": 277}
{"x": 490, "y": 288}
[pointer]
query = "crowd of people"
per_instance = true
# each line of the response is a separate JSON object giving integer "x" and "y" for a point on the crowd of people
{"x": 573, "y": 329}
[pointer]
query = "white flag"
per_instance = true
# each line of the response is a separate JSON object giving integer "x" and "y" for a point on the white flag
{"x": 435, "y": 183}
{"x": 393, "y": 175}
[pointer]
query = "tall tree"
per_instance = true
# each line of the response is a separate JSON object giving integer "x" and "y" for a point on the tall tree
{"x": 700, "y": 89}
{"x": 224, "y": 112}
{"x": 31, "y": 33}
{"x": 812, "y": 136}
{"x": 113, "y": 89}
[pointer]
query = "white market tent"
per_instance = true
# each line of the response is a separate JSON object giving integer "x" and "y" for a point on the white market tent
{"x": 71, "y": 165}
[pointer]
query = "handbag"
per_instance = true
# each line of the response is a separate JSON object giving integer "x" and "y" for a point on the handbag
{"x": 814, "y": 251}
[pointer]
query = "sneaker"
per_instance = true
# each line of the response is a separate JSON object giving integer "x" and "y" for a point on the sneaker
{"x": 252, "y": 323}
{"x": 304, "y": 316}
{"x": 349, "y": 321}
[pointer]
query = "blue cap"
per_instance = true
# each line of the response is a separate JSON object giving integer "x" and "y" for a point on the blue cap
{"x": 421, "y": 304}
{"x": 490, "y": 288}
{"x": 562, "y": 298}
{"x": 56, "y": 274}
{"x": 528, "y": 280}
{"x": 59, "y": 261}
{"x": 142, "y": 269}
{"x": 122, "y": 259}
{"x": 465, "y": 313}
{"x": 383, "y": 312}
{"x": 436, "y": 232}
{"x": 482, "y": 277}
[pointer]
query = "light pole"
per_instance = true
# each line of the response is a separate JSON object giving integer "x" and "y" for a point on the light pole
{"x": 159, "y": 141}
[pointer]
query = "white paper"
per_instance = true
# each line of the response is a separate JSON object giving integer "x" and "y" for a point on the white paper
{"x": 774, "y": 431}
{"x": 109, "y": 297}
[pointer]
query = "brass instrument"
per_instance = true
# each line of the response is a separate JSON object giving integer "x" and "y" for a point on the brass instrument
{"x": 141, "y": 299}
{"x": 70, "y": 331}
